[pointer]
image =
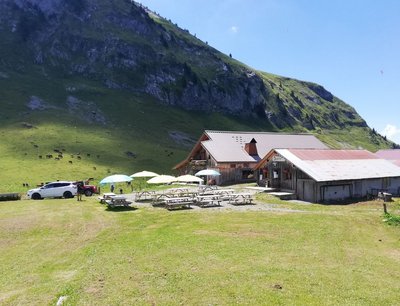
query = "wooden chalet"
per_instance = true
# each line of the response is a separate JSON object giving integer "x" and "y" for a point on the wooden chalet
{"x": 235, "y": 154}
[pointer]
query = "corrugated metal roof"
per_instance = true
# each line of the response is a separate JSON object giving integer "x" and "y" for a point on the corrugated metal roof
{"x": 323, "y": 170}
{"x": 333, "y": 154}
{"x": 229, "y": 146}
{"x": 389, "y": 154}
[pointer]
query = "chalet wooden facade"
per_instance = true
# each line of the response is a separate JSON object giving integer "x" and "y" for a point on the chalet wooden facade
{"x": 328, "y": 175}
{"x": 235, "y": 154}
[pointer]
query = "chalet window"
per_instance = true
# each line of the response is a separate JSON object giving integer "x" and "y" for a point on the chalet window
{"x": 233, "y": 166}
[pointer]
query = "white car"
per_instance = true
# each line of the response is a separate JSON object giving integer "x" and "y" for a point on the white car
{"x": 53, "y": 190}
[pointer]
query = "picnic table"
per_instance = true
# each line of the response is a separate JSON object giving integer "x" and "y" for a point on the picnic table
{"x": 118, "y": 201}
{"x": 106, "y": 196}
{"x": 224, "y": 193}
{"x": 204, "y": 188}
{"x": 144, "y": 195}
{"x": 240, "y": 198}
{"x": 180, "y": 202}
{"x": 208, "y": 200}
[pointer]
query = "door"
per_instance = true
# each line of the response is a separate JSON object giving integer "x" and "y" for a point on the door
{"x": 276, "y": 178}
{"x": 47, "y": 190}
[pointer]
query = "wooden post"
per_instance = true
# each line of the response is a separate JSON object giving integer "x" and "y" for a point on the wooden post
{"x": 384, "y": 208}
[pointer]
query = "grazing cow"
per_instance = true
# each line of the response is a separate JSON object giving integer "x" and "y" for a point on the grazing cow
{"x": 56, "y": 158}
{"x": 60, "y": 156}
{"x": 49, "y": 156}
{"x": 79, "y": 157}
{"x": 72, "y": 155}
{"x": 36, "y": 146}
{"x": 94, "y": 168}
{"x": 88, "y": 154}
{"x": 40, "y": 156}
{"x": 70, "y": 161}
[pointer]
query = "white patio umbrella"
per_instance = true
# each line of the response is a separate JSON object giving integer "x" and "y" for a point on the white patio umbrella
{"x": 116, "y": 178}
{"x": 162, "y": 179}
{"x": 144, "y": 174}
{"x": 189, "y": 178}
{"x": 208, "y": 172}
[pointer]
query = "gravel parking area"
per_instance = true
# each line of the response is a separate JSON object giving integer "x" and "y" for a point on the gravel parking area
{"x": 225, "y": 206}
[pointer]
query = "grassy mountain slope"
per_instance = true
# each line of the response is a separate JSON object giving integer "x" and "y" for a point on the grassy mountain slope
{"x": 113, "y": 80}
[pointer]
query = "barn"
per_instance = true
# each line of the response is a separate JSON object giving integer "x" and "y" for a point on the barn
{"x": 328, "y": 175}
{"x": 235, "y": 154}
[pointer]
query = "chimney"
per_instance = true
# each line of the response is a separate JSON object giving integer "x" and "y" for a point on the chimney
{"x": 251, "y": 147}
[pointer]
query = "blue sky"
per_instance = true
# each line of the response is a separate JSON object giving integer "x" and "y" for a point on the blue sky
{"x": 351, "y": 47}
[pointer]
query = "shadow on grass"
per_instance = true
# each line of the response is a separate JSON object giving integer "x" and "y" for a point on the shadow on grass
{"x": 180, "y": 208}
{"x": 121, "y": 208}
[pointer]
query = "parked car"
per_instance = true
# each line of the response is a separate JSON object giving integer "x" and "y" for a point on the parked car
{"x": 57, "y": 189}
{"x": 88, "y": 190}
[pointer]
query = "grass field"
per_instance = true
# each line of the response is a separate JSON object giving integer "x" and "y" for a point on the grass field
{"x": 323, "y": 255}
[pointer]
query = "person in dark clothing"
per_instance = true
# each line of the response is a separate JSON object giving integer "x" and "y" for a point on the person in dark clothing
{"x": 79, "y": 192}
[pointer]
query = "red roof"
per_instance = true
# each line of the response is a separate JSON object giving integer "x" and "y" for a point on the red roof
{"x": 389, "y": 154}
{"x": 332, "y": 154}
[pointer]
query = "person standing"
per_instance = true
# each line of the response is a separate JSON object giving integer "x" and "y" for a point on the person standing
{"x": 112, "y": 187}
{"x": 79, "y": 192}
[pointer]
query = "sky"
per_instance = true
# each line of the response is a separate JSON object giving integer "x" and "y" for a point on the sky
{"x": 351, "y": 47}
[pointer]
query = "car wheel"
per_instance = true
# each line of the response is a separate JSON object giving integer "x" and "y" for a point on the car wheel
{"x": 36, "y": 196}
{"x": 68, "y": 195}
{"x": 88, "y": 193}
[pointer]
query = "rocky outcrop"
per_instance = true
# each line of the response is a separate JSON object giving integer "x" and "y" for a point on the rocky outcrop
{"x": 124, "y": 46}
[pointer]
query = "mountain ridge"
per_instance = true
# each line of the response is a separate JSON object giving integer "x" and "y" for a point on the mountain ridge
{"x": 207, "y": 81}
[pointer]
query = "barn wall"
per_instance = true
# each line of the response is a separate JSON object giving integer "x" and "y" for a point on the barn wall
{"x": 305, "y": 190}
{"x": 334, "y": 191}
{"x": 344, "y": 190}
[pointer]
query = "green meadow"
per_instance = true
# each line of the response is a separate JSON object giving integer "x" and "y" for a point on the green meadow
{"x": 292, "y": 254}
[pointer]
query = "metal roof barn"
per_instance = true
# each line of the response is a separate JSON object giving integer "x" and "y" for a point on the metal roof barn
{"x": 337, "y": 165}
